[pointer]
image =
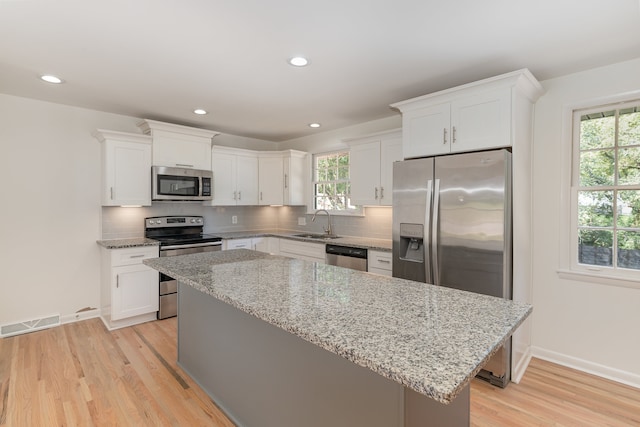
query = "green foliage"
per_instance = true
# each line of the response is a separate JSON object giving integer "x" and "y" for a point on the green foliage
{"x": 610, "y": 159}
{"x": 332, "y": 187}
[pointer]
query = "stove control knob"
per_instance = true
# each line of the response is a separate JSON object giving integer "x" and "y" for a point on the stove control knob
{"x": 199, "y": 220}
{"x": 151, "y": 222}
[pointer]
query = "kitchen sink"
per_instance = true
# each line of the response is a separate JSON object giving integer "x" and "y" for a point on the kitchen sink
{"x": 317, "y": 236}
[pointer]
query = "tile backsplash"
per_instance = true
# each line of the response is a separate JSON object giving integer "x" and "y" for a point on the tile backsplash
{"x": 119, "y": 223}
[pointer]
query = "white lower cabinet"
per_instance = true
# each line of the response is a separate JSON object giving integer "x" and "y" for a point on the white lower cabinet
{"x": 379, "y": 262}
{"x": 261, "y": 244}
{"x": 129, "y": 289}
{"x": 302, "y": 250}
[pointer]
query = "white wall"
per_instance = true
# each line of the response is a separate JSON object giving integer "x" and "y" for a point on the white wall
{"x": 50, "y": 215}
{"x": 590, "y": 326}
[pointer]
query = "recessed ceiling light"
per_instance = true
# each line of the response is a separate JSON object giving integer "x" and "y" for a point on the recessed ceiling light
{"x": 199, "y": 111}
{"x": 51, "y": 79}
{"x": 299, "y": 61}
{"x": 314, "y": 125}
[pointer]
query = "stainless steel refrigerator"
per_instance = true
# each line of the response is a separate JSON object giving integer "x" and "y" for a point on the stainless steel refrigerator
{"x": 452, "y": 227}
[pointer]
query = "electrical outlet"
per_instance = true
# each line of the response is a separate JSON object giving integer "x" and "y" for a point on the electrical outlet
{"x": 302, "y": 220}
{"x": 234, "y": 219}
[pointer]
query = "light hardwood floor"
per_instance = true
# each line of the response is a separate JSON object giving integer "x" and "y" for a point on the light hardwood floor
{"x": 82, "y": 375}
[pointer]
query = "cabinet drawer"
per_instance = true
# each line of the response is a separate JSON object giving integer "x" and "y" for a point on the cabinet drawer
{"x": 237, "y": 244}
{"x": 302, "y": 250}
{"x": 379, "y": 260}
{"x": 130, "y": 256}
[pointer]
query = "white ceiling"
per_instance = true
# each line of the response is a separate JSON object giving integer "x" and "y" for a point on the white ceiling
{"x": 160, "y": 59}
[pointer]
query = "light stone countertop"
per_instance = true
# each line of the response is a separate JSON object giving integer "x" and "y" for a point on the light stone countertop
{"x": 358, "y": 242}
{"x": 430, "y": 339}
{"x": 128, "y": 243}
{"x": 353, "y": 241}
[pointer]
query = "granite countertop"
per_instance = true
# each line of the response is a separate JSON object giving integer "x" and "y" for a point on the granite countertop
{"x": 127, "y": 243}
{"x": 358, "y": 242}
{"x": 428, "y": 338}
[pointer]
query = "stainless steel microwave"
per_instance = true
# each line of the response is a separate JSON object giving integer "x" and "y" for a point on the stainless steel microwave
{"x": 180, "y": 184}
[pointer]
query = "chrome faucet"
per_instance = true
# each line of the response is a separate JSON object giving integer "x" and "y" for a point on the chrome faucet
{"x": 328, "y": 229}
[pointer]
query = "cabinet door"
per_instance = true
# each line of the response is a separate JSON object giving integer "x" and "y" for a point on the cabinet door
{"x": 390, "y": 152}
{"x": 127, "y": 174}
{"x": 134, "y": 291}
{"x": 294, "y": 179}
{"x": 481, "y": 121}
{"x": 180, "y": 150}
{"x": 426, "y": 131}
{"x": 224, "y": 179}
{"x": 237, "y": 244}
{"x": 364, "y": 175}
{"x": 271, "y": 180}
{"x": 247, "y": 180}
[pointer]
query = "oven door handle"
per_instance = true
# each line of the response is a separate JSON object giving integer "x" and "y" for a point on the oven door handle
{"x": 194, "y": 245}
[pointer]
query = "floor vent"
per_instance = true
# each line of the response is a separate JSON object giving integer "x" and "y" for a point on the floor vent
{"x": 29, "y": 326}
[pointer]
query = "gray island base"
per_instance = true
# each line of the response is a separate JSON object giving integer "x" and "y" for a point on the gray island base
{"x": 283, "y": 342}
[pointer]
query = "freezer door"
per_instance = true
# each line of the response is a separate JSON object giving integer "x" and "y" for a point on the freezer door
{"x": 412, "y": 194}
{"x": 472, "y": 236}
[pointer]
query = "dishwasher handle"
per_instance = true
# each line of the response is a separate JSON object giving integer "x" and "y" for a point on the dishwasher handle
{"x": 346, "y": 251}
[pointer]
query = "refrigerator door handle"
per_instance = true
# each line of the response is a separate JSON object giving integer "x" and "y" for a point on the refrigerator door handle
{"x": 425, "y": 241}
{"x": 434, "y": 233}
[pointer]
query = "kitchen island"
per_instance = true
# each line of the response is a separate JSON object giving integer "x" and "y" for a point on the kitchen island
{"x": 277, "y": 341}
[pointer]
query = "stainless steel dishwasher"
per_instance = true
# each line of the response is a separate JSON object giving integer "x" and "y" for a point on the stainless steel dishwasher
{"x": 346, "y": 256}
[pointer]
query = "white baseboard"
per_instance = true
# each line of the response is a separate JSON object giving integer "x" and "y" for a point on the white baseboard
{"x": 618, "y": 375}
{"x": 81, "y": 315}
{"x": 518, "y": 370}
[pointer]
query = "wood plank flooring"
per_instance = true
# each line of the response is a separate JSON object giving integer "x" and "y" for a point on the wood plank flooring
{"x": 80, "y": 374}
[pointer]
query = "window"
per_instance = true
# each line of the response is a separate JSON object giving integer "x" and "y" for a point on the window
{"x": 606, "y": 190}
{"x": 331, "y": 186}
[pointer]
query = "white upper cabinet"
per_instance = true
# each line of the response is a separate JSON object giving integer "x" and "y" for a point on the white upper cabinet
{"x": 371, "y": 175}
{"x": 235, "y": 177}
{"x": 473, "y": 117}
{"x": 271, "y": 178}
{"x": 179, "y": 146}
{"x": 295, "y": 177}
{"x": 125, "y": 169}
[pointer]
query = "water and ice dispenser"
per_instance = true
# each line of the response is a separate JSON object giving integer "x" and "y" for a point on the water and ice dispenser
{"x": 412, "y": 242}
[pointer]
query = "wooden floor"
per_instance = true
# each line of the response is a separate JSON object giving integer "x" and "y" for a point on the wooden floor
{"x": 82, "y": 375}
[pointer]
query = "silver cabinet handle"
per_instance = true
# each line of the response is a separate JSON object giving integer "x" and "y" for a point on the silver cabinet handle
{"x": 444, "y": 137}
{"x": 453, "y": 139}
{"x": 261, "y": 196}
{"x": 235, "y": 195}
{"x": 111, "y": 190}
{"x": 117, "y": 280}
{"x": 384, "y": 261}
{"x": 136, "y": 256}
{"x": 239, "y": 195}
{"x": 286, "y": 181}
{"x": 184, "y": 165}
{"x": 381, "y": 193}
{"x": 376, "y": 193}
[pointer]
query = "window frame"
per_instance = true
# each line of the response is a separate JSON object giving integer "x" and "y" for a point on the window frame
{"x": 357, "y": 211}
{"x": 569, "y": 267}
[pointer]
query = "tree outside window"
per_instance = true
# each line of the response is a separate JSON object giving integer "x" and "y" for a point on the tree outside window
{"x": 608, "y": 197}
{"x": 331, "y": 181}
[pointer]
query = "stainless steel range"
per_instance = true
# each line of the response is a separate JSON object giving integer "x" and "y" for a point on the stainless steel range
{"x": 178, "y": 235}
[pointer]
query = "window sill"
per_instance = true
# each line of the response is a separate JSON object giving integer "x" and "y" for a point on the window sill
{"x": 599, "y": 278}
